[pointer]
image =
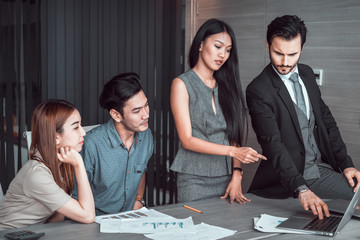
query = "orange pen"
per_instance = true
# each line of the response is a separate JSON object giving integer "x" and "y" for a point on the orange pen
{"x": 193, "y": 209}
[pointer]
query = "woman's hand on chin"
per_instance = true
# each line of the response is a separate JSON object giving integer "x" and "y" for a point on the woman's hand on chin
{"x": 69, "y": 155}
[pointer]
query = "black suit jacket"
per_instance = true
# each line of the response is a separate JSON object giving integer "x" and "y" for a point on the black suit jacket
{"x": 276, "y": 125}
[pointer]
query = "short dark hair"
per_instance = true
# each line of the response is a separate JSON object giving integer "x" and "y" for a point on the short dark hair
{"x": 119, "y": 90}
{"x": 286, "y": 27}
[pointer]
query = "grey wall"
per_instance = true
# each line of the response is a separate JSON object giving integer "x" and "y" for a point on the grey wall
{"x": 333, "y": 44}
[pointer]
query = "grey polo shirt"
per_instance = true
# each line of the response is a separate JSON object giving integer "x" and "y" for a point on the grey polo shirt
{"x": 114, "y": 173}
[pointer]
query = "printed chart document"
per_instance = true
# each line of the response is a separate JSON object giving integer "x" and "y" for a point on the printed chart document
{"x": 133, "y": 214}
{"x": 159, "y": 226}
{"x": 202, "y": 231}
{"x": 268, "y": 223}
{"x": 146, "y": 225}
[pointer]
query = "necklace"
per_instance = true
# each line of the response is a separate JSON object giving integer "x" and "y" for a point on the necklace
{"x": 211, "y": 83}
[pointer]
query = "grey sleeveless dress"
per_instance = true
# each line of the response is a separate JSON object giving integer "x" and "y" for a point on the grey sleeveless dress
{"x": 202, "y": 175}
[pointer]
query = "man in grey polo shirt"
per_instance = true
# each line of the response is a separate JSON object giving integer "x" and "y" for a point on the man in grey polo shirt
{"x": 117, "y": 152}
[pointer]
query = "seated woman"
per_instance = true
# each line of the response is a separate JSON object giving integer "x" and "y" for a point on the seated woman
{"x": 40, "y": 192}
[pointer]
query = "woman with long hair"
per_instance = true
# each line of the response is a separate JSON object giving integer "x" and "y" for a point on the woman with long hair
{"x": 209, "y": 111}
{"x": 41, "y": 190}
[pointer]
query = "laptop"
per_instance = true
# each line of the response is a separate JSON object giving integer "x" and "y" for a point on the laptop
{"x": 340, "y": 205}
{"x": 308, "y": 223}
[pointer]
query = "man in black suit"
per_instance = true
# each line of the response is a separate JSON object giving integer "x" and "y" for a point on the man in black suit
{"x": 307, "y": 157}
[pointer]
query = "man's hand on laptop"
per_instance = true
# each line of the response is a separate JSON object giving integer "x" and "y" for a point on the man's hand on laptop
{"x": 309, "y": 200}
{"x": 350, "y": 174}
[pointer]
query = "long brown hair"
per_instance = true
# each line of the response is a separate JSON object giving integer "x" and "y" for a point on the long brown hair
{"x": 47, "y": 120}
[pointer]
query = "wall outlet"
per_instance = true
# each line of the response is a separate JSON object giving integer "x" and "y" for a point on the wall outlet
{"x": 319, "y": 76}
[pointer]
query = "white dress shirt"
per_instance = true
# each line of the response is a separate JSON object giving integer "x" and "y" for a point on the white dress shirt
{"x": 290, "y": 87}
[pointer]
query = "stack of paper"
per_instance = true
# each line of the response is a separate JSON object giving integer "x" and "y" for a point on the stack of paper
{"x": 159, "y": 226}
{"x": 148, "y": 225}
{"x": 133, "y": 214}
{"x": 268, "y": 223}
{"x": 202, "y": 231}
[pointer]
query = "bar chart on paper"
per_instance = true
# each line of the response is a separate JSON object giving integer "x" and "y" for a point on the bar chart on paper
{"x": 133, "y": 214}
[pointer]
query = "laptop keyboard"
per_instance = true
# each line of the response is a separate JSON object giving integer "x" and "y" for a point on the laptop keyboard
{"x": 325, "y": 225}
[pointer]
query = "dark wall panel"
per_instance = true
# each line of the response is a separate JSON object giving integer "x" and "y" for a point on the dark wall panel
{"x": 20, "y": 80}
{"x": 88, "y": 42}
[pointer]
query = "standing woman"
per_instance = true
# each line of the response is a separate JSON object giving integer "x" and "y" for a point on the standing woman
{"x": 210, "y": 117}
{"x": 40, "y": 192}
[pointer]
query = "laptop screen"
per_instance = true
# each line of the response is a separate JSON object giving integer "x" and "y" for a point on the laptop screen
{"x": 349, "y": 210}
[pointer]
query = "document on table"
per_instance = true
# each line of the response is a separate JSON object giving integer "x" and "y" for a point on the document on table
{"x": 202, "y": 231}
{"x": 268, "y": 223}
{"x": 133, "y": 214}
{"x": 157, "y": 225}
{"x": 146, "y": 225}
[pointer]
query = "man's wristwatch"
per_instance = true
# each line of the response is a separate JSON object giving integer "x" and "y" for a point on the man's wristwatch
{"x": 141, "y": 200}
{"x": 301, "y": 189}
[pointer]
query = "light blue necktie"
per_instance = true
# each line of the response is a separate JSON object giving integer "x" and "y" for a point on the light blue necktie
{"x": 298, "y": 92}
